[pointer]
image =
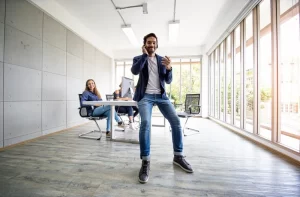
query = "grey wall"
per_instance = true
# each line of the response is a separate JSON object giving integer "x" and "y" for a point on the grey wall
{"x": 43, "y": 68}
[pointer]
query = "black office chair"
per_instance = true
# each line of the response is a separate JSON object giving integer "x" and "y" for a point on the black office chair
{"x": 191, "y": 109}
{"x": 83, "y": 112}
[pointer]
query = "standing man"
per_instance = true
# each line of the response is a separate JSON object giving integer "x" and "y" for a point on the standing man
{"x": 154, "y": 71}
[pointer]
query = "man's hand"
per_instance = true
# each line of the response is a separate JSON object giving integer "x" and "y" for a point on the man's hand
{"x": 144, "y": 50}
{"x": 166, "y": 61}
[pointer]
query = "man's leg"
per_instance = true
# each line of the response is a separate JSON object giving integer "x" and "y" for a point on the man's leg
{"x": 145, "y": 107}
{"x": 168, "y": 110}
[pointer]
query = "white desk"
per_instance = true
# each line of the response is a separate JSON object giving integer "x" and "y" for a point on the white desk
{"x": 112, "y": 113}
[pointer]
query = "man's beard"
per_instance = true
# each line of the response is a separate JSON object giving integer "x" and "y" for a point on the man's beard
{"x": 150, "y": 52}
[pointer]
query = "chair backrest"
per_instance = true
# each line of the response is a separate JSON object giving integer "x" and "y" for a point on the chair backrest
{"x": 192, "y": 103}
{"x": 80, "y": 95}
{"x": 109, "y": 97}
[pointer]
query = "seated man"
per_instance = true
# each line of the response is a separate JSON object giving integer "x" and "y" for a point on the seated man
{"x": 135, "y": 108}
{"x": 136, "y": 111}
{"x": 124, "y": 109}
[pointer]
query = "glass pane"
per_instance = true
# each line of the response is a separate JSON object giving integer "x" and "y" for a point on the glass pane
{"x": 217, "y": 83}
{"x": 185, "y": 79}
{"x": 175, "y": 85}
{"x": 128, "y": 72}
{"x": 237, "y": 76}
{"x": 265, "y": 70}
{"x": 222, "y": 80}
{"x": 136, "y": 79}
{"x": 212, "y": 84}
{"x": 249, "y": 89}
{"x": 119, "y": 74}
{"x": 196, "y": 75}
{"x": 289, "y": 74}
{"x": 228, "y": 78}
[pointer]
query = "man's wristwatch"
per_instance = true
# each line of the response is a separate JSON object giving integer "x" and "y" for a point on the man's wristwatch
{"x": 169, "y": 68}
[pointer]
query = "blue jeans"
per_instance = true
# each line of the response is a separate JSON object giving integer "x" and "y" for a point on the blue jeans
{"x": 125, "y": 109}
{"x": 105, "y": 111}
{"x": 168, "y": 111}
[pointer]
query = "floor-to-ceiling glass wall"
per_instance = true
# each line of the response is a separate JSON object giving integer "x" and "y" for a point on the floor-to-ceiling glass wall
{"x": 253, "y": 68}
{"x": 186, "y": 78}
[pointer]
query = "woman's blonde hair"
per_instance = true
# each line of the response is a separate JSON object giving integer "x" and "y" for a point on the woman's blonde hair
{"x": 95, "y": 89}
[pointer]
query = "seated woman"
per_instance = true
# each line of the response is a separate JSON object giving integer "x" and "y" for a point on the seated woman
{"x": 92, "y": 94}
{"x": 124, "y": 109}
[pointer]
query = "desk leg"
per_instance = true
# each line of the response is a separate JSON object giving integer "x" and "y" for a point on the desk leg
{"x": 112, "y": 125}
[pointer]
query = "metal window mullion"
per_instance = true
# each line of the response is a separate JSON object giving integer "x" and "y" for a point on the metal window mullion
{"x": 256, "y": 110}
{"x": 208, "y": 85}
{"x": 299, "y": 31}
{"x": 190, "y": 86}
{"x": 233, "y": 80}
{"x": 274, "y": 43}
{"x": 219, "y": 82}
{"x": 225, "y": 80}
{"x": 242, "y": 75}
{"x": 201, "y": 82}
{"x": 180, "y": 81}
{"x": 213, "y": 70}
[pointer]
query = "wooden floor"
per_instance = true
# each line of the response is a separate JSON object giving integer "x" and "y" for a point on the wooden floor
{"x": 224, "y": 163}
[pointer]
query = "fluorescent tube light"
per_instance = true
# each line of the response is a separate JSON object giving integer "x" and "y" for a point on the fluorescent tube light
{"x": 173, "y": 31}
{"x": 130, "y": 34}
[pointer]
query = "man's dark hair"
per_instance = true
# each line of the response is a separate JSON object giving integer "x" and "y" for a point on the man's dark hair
{"x": 150, "y": 35}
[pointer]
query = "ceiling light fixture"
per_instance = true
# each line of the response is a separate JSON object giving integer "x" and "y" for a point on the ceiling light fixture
{"x": 174, "y": 27}
{"x": 144, "y": 6}
{"x": 130, "y": 34}
{"x": 173, "y": 31}
{"x": 126, "y": 27}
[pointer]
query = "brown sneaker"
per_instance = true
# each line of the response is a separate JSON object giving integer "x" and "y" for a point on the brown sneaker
{"x": 144, "y": 172}
{"x": 108, "y": 135}
{"x": 182, "y": 163}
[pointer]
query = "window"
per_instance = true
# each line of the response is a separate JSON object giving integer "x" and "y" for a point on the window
{"x": 217, "y": 77}
{"x": 222, "y": 81}
{"x": 265, "y": 70}
{"x": 237, "y": 77}
{"x": 290, "y": 72}
{"x": 228, "y": 78}
{"x": 248, "y": 75}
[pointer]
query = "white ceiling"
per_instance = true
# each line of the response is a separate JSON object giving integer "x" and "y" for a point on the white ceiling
{"x": 196, "y": 19}
{"x": 201, "y": 23}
